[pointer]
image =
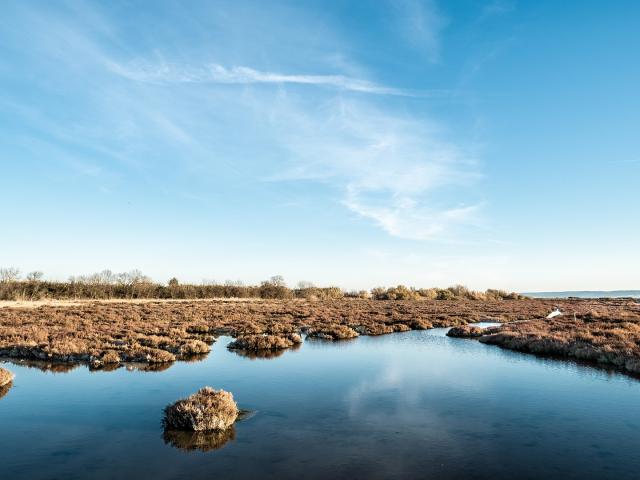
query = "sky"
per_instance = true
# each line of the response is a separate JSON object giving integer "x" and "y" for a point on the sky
{"x": 352, "y": 143}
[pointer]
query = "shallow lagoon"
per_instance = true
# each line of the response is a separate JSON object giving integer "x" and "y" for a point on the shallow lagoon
{"x": 413, "y": 405}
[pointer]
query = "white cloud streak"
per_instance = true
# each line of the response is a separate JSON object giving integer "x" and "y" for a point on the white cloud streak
{"x": 218, "y": 74}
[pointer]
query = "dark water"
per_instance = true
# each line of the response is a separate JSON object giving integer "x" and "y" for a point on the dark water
{"x": 407, "y": 405}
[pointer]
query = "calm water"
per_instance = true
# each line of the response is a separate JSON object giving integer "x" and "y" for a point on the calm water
{"x": 407, "y": 405}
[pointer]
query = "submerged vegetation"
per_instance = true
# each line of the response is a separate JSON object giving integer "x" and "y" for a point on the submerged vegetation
{"x": 205, "y": 411}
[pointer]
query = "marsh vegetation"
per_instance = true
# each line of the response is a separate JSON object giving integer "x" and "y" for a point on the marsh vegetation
{"x": 605, "y": 336}
{"x": 108, "y": 333}
{"x": 154, "y": 333}
{"x": 265, "y": 342}
{"x": 205, "y": 411}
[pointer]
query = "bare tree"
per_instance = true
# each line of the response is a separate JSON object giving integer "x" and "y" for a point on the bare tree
{"x": 302, "y": 285}
{"x": 9, "y": 274}
{"x": 277, "y": 281}
{"x": 35, "y": 276}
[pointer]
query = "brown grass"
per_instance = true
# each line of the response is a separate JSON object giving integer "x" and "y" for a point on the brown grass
{"x": 204, "y": 411}
{"x": 265, "y": 342}
{"x": 465, "y": 331}
{"x": 332, "y": 332}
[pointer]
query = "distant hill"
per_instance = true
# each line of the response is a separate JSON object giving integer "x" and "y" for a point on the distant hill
{"x": 585, "y": 294}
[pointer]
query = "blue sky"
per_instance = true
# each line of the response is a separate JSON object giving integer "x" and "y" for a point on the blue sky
{"x": 493, "y": 144}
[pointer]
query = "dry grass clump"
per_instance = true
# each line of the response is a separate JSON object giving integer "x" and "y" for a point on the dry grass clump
{"x": 194, "y": 347}
{"x": 204, "y": 411}
{"x": 265, "y": 342}
{"x": 466, "y": 331}
{"x": 333, "y": 332}
{"x": 111, "y": 357}
{"x": 611, "y": 338}
{"x": 199, "y": 441}
{"x": 6, "y": 377}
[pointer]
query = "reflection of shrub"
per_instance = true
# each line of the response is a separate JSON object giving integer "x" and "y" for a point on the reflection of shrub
{"x": 6, "y": 377}
{"x": 206, "y": 410}
{"x": 259, "y": 354}
{"x": 5, "y": 389}
{"x": 200, "y": 441}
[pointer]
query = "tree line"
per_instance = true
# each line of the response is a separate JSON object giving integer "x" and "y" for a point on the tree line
{"x": 134, "y": 284}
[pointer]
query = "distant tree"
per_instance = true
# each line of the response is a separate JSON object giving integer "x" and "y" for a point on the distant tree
{"x": 174, "y": 282}
{"x": 9, "y": 274}
{"x": 302, "y": 285}
{"x": 277, "y": 281}
{"x": 35, "y": 276}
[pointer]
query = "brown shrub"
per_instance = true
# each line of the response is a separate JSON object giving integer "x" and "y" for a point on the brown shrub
{"x": 206, "y": 410}
{"x": 465, "y": 331}
{"x": 333, "y": 332}
{"x": 111, "y": 357}
{"x": 265, "y": 342}
{"x": 194, "y": 347}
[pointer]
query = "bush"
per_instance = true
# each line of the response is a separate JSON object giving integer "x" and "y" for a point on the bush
{"x": 194, "y": 347}
{"x": 265, "y": 342}
{"x": 204, "y": 411}
{"x": 333, "y": 332}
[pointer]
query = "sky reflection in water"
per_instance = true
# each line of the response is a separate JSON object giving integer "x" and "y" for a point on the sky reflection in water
{"x": 415, "y": 404}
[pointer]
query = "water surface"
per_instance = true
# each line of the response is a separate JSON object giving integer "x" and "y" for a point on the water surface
{"x": 406, "y": 405}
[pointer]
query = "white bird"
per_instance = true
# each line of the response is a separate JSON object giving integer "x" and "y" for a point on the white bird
{"x": 555, "y": 313}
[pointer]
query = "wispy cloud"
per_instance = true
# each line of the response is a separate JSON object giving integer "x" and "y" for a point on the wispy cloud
{"x": 421, "y": 24}
{"x": 387, "y": 166}
{"x": 405, "y": 219}
{"x": 165, "y": 73}
{"x": 496, "y": 8}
